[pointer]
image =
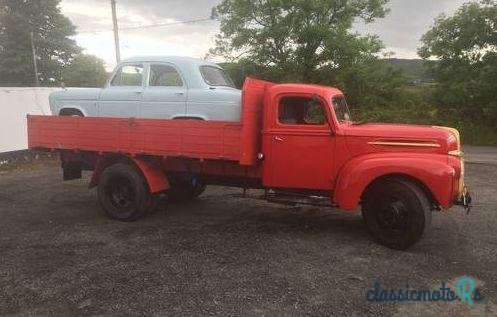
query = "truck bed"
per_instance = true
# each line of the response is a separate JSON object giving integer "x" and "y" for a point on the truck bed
{"x": 159, "y": 137}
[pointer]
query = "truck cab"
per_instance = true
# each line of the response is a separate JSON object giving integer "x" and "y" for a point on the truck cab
{"x": 310, "y": 142}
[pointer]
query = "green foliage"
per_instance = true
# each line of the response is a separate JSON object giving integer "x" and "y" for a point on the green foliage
{"x": 369, "y": 84}
{"x": 307, "y": 41}
{"x": 418, "y": 105}
{"x": 296, "y": 36}
{"x": 50, "y": 36}
{"x": 84, "y": 71}
{"x": 466, "y": 48}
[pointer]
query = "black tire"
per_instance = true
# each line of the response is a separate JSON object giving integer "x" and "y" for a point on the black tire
{"x": 123, "y": 193}
{"x": 71, "y": 113}
{"x": 184, "y": 189}
{"x": 396, "y": 212}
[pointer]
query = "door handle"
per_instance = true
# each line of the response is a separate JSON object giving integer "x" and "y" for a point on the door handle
{"x": 179, "y": 93}
{"x": 137, "y": 92}
{"x": 277, "y": 138}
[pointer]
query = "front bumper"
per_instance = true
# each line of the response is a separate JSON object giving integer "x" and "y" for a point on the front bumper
{"x": 465, "y": 199}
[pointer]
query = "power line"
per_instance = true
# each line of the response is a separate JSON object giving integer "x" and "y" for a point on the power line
{"x": 164, "y": 24}
{"x": 147, "y": 26}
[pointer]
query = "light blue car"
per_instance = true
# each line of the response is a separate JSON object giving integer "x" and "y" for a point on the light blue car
{"x": 156, "y": 87}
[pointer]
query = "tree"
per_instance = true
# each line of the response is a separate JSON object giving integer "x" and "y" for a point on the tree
{"x": 465, "y": 46}
{"x": 309, "y": 41}
{"x": 41, "y": 21}
{"x": 297, "y": 36}
{"x": 84, "y": 71}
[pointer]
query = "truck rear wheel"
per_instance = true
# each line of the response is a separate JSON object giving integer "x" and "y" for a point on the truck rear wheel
{"x": 123, "y": 193}
{"x": 396, "y": 212}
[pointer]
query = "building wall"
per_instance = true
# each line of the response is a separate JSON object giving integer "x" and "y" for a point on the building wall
{"x": 15, "y": 104}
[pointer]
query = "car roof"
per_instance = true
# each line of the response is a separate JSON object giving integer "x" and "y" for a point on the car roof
{"x": 170, "y": 59}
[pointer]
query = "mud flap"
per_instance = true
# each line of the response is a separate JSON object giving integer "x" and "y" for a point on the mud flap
{"x": 156, "y": 179}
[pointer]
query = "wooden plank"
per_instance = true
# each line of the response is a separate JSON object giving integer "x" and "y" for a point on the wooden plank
{"x": 191, "y": 138}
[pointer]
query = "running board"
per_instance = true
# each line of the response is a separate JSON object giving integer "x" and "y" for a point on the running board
{"x": 291, "y": 199}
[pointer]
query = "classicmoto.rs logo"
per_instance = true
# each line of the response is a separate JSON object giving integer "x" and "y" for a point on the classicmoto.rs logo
{"x": 465, "y": 291}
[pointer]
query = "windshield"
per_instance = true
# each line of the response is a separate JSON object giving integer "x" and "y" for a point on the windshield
{"x": 341, "y": 109}
{"x": 215, "y": 76}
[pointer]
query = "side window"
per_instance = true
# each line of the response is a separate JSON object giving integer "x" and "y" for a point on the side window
{"x": 164, "y": 75}
{"x": 301, "y": 111}
{"x": 215, "y": 76}
{"x": 128, "y": 75}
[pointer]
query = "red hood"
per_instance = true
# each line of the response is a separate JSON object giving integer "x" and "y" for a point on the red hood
{"x": 399, "y": 136}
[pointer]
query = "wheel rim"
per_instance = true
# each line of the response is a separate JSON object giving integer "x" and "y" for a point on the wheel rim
{"x": 121, "y": 194}
{"x": 392, "y": 216}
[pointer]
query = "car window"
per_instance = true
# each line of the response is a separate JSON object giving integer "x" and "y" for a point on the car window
{"x": 215, "y": 76}
{"x": 301, "y": 111}
{"x": 164, "y": 75}
{"x": 128, "y": 75}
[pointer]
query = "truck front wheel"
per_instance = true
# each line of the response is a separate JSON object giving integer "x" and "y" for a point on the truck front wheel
{"x": 123, "y": 192}
{"x": 396, "y": 212}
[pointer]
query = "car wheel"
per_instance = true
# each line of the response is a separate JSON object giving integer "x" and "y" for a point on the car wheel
{"x": 71, "y": 113}
{"x": 396, "y": 212}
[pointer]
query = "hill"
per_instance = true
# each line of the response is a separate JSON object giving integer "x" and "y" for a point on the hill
{"x": 414, "y": 69}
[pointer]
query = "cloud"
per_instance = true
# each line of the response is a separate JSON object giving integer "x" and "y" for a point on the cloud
{"x": 400, "y": 31}
{"x": 93, "y": 19}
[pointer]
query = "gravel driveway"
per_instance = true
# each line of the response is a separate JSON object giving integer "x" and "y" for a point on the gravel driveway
{"x": 224, "y": 255}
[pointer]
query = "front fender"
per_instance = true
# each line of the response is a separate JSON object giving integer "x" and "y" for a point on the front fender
{"x": 431, "y": 170}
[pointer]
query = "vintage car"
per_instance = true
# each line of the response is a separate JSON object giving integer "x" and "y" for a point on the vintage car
{"x": 156, "y": 87}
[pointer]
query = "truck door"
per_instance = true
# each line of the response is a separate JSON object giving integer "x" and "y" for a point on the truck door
{"x": 165, "y": 93}
{"x": 121, "y": 98}
{"x": 299, "y": 144}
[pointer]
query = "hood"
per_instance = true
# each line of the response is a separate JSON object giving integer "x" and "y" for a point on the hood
{"x": 401, "y": 137}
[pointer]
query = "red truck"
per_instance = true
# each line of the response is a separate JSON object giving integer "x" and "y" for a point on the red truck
{"x": 295, "y": 141}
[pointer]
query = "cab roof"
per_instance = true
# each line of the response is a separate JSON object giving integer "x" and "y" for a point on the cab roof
{"x": 305, "y": 88}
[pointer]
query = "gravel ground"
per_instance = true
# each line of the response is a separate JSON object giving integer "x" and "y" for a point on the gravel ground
{"x": 224, "y": 255}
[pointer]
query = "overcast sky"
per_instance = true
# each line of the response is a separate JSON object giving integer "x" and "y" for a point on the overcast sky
{"x": 400, "y": 30}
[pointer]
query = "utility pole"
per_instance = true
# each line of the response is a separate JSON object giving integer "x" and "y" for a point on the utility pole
{"x": 116, "y": 31}
{"x": 35, "y": 65}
